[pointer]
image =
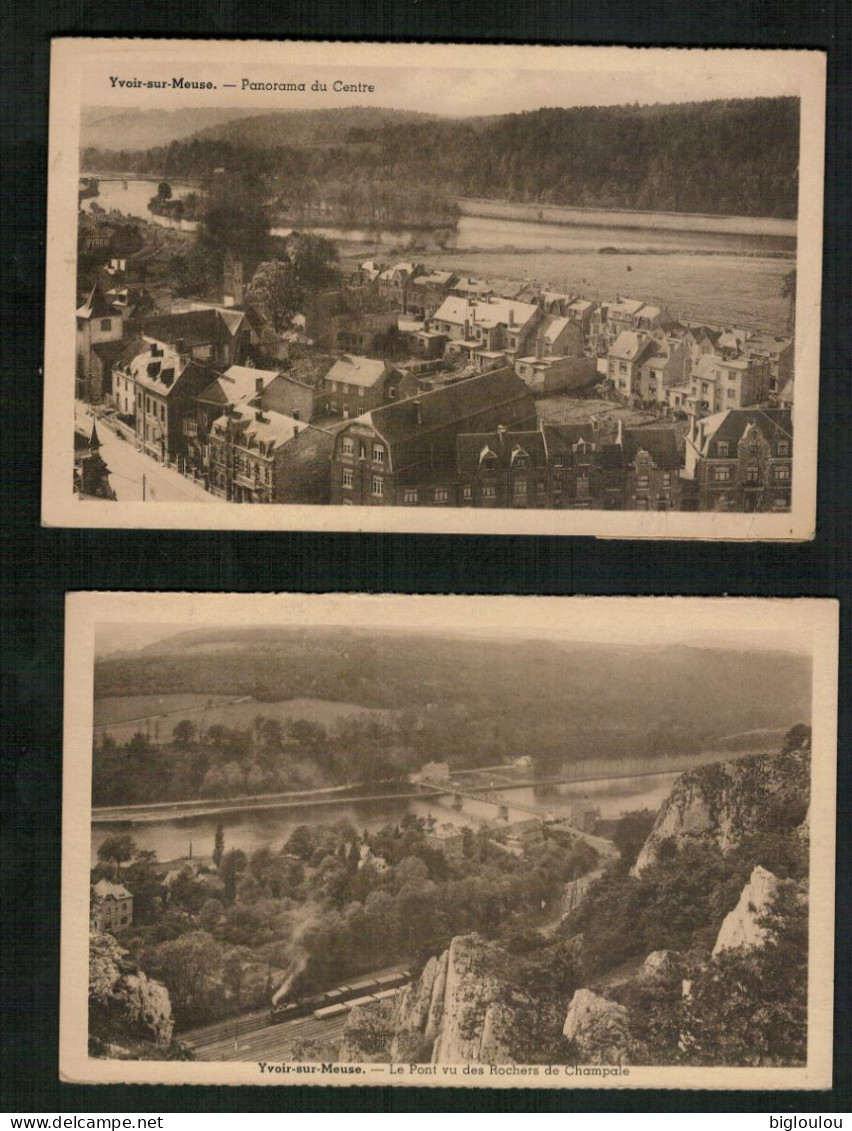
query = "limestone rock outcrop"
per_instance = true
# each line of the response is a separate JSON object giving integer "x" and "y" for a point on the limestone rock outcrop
{"x": 125, "y": 1005}
{"x": 599, "y": 1028}
{"x": 726, "y": 802}
{"x": 452, "y": 1014}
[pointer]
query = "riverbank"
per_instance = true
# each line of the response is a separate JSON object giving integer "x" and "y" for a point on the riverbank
{"x": 626, "y": 218}
{"x": 490, "y": 780}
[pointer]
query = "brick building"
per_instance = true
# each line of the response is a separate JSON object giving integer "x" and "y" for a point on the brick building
{"x": 741, "y": 460}
{"x": 404, "y": 453}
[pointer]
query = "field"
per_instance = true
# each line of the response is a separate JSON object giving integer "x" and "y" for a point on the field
{"x": 156, "y": 715}
{"x": 738, "y": 290}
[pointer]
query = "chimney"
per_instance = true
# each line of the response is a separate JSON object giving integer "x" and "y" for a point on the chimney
{"x": 511, "y": 316}
{"x": 619, "y": 436}
{"x": 180, "y": 346}
{"x": 418, "y": 415}
{"x": 295, "y": 429}
{"x": 258, "y": 384}
{"x": 501, "y": 434}
{"x": 539, "y": 347}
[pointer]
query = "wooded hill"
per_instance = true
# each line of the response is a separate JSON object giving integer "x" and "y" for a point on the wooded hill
{"x": 490, "y": 695}
{"x": 726, "y": 157}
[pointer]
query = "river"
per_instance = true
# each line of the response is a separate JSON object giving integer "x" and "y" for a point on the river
{"x": 722, "y": 276}
{"x": 251, "y": 829}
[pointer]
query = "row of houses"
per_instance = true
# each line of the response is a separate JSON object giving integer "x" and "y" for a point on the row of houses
{"x": 448, "y": 304}
{"x": 478, "y": 443}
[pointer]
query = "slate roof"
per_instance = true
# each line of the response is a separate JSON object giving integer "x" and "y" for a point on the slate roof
{"x": 106, "y": 890}
{"x": 630, "y": 346}
{"x": 472, "y": 447}
{"x": 774, "y": 424}
{"x": 453, "y": 405}
{"x": 659, "y": 443}
{"x": 628, "y": 306}
{"x": 273, "y": 430}
{"x": 767, "y": 343}
{"x": 195, "y": 327}
{"x": 96, "y": 305}
{"x": 109, "y": 352}
{"x": 237, "y": 383}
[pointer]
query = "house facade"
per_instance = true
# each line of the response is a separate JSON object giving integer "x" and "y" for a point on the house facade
{"x": 111, "y": 907}
{"x": 166, "y": 385}
{"x": 741, "y": 460}
{"x": 355, "y": 385}
{"x": 98, "y": 322}
{"x": 404, "y": 453}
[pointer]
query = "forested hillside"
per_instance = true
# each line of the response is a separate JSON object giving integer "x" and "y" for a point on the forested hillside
{"x": 490, "y": 696}
{"x": 731, "y": 157}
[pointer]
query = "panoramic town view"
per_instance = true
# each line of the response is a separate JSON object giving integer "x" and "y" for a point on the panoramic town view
{"x": 581, "y": 307}
{"x": 486, "y": 844}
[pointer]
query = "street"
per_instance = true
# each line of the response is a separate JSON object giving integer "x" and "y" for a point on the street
{"x": 127, "y": 467}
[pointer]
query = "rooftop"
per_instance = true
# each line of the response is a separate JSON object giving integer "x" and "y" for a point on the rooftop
{"x": 353, "y": 370}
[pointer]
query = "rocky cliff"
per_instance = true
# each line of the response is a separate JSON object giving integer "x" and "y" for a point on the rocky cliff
{"x": 125, "y": 1006}
{"x": 735, "y": 992}
{"x": 727, "y": 802}
{"x": 454, "y": 1013}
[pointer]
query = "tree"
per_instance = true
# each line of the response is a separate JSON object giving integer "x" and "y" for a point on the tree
{"x": 631, "y": 832}
{"x": 164, "y": 191}
{"x": 184, "y": 734}
{"x": 280, "y": 286}
{"x": 232, "y": 865}
{"x": 219, "y": 844}
{"x": 274, "y": 292}
{"x": 301, "y": 842}
{"x": 191, "y": 968}
{"x": 235, "y": 217}
{"x": 116, "y": 850}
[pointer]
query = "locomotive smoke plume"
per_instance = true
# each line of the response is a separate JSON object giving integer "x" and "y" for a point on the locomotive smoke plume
{"x": 293, "y": 970}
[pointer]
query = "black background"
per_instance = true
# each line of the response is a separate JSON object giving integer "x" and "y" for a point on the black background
{"x": 41, "y": 565}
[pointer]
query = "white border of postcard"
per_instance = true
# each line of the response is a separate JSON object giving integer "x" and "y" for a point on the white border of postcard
{"x": 813, "y": 621}
{"x": 71, "y": 57}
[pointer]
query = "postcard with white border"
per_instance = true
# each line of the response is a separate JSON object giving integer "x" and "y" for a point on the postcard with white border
{"x": 340, "y": 839}
{"x": 434, "y": 288}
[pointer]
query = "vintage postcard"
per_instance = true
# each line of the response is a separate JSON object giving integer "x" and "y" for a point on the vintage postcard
{"x": 416, "y": 288}
{"x": 457, "y": 841}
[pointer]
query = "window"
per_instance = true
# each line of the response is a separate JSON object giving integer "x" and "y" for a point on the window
{"x": 541, "y": 488}
{"x": 106, "y": 323}
{"x": 667, "y": 479}
{"x": 520, "y": 487}
{"x": 782, "y": 474}
{"x": 349, "y": 447}
{"x": 378, "y": 453}
{"x": 440, "y": 494}
{"x": 722, "y": 448}
{"x": 488, "y": 490}
{"x": 731, "y": 394}
{"x": 622, "y": 367}
{"x": 410, "y": 495}
{"x": 347, "y": 479}
{"x": 642, "y": 482}
{"x": 378, "y": 486}
{"x": 752, "y": 475}
{"x": 722, "y": 474}
{"x": 783, "y": 448}
{"x": 467, "y": 491}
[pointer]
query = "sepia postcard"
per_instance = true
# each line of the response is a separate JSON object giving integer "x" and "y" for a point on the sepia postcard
{"x": 538, "y": 842}
{"x": 434, "y": 288}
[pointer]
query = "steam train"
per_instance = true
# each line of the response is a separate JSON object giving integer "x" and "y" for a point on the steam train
{"x": 341, "y": 999}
